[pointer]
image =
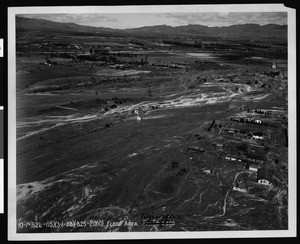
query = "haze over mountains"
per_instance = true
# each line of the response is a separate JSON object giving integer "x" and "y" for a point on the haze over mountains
{"x": 253, "y": 31}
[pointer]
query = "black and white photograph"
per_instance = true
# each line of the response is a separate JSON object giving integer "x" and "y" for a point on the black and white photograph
{"x": 154, "y": 120}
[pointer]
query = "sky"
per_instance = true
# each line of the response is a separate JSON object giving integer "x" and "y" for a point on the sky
{"x": 134, "y": 20}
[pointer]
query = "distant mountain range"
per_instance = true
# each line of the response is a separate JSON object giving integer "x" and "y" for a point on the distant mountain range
{"x": 252, "y": 31}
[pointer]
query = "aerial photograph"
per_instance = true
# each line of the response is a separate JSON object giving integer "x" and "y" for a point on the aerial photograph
{"x": 151, "y": 122}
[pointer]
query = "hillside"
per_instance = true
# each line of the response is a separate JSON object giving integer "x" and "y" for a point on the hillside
{"x": 27, "y": 24}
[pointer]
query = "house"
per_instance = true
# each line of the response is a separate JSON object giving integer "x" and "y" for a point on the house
{"x": 263, "y": 177}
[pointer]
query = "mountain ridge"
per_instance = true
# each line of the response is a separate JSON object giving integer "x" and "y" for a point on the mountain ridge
{"x": 248, "y": 30}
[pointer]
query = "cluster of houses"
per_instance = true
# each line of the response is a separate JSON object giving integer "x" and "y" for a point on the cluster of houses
{"x": 241, "y": 133}
{"x": 253, "y": 161}
{"x": 252, "y": 165}
{"x": 246, "y": 159}
{"x": 252, "y": 121}
{"x": 263, "y": 177}
{"x": 51, "y": 45}
{"x": 251, "y": 156}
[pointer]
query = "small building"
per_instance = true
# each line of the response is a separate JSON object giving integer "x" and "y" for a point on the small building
{"x": 264, "y": 182}
{"x": 197, "y": 149}
{"x": 258, "y": 135}
{"x": 240, "y": 187}
{"x": 263, "y": 177}
{"x": 252, "y": 167}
